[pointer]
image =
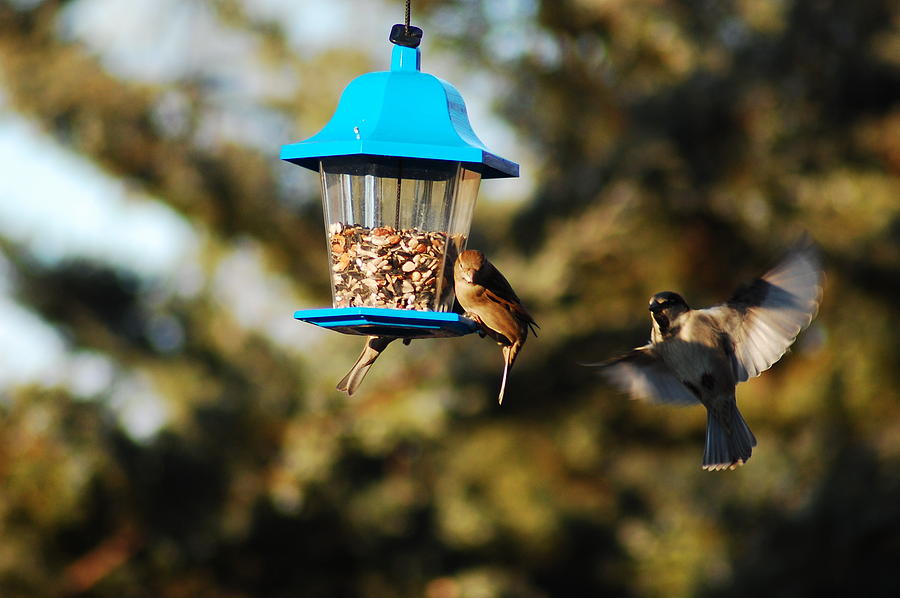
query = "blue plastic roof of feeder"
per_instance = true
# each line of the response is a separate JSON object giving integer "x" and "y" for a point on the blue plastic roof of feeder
{"x": 401, "y": 113}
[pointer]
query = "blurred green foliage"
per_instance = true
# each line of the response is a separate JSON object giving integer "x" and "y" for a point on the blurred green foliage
{"x": 676, "y": 145}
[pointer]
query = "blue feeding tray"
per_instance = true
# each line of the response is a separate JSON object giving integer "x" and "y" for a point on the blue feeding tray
{"x": 377, "y": 321}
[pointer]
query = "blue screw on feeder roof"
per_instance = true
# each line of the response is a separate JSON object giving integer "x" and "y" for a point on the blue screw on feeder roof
{"x": 402, "y": 113}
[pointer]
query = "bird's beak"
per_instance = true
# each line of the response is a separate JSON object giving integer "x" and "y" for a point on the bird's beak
{"x": 467, "y": 276}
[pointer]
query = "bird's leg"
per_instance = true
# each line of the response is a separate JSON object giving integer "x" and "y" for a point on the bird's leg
{"x": 474, "y": 317}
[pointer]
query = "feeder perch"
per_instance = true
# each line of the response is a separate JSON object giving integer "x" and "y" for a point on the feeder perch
{"x": 400, "y": 168}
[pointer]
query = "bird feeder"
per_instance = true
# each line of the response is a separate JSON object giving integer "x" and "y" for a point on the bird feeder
{"x": 400, "y": 168}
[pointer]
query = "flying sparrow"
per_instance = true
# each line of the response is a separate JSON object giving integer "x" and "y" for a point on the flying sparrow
{"x": 700, "y": 355}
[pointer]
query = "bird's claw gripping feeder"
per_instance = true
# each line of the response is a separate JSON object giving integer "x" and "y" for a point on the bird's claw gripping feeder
{"x": 400, "y": 168}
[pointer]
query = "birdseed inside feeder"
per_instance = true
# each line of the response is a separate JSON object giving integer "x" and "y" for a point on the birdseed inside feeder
{"x": 400, "y": 168}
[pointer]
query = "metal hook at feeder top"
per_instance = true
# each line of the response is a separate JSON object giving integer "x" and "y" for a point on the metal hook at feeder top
{"x": 405, "y": 35}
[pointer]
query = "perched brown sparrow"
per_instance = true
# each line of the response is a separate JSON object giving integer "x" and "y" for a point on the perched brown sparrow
{"x": 701, "y": 355}
{"x": 488, "y": 299}
{"x": 371, "y": 350}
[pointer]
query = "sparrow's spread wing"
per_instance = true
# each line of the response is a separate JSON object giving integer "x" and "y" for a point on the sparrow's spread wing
{"x": 764, "y": 317}
{"x": 642, "y": 375}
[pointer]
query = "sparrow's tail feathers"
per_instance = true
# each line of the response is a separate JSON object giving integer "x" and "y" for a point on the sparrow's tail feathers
{"x": 729, "y": 441}
{"x": 354, "y": 377}
{"x": 506, "y": 366}
{"x": 372, "y": 349}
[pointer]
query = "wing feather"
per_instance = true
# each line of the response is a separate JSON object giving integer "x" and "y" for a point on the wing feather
{"x": 498, "y": 290}
{"x": 764, "y": 318}
{"x": 644, "y": 376}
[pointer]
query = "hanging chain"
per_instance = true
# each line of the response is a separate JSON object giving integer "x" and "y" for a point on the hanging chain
{"x": 407, "y": 16}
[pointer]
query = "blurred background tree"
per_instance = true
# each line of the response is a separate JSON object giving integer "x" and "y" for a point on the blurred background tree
{"x": 167, "y": 430}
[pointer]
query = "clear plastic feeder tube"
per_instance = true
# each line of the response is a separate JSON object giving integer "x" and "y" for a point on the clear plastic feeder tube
{"x": 395, "y": 227}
